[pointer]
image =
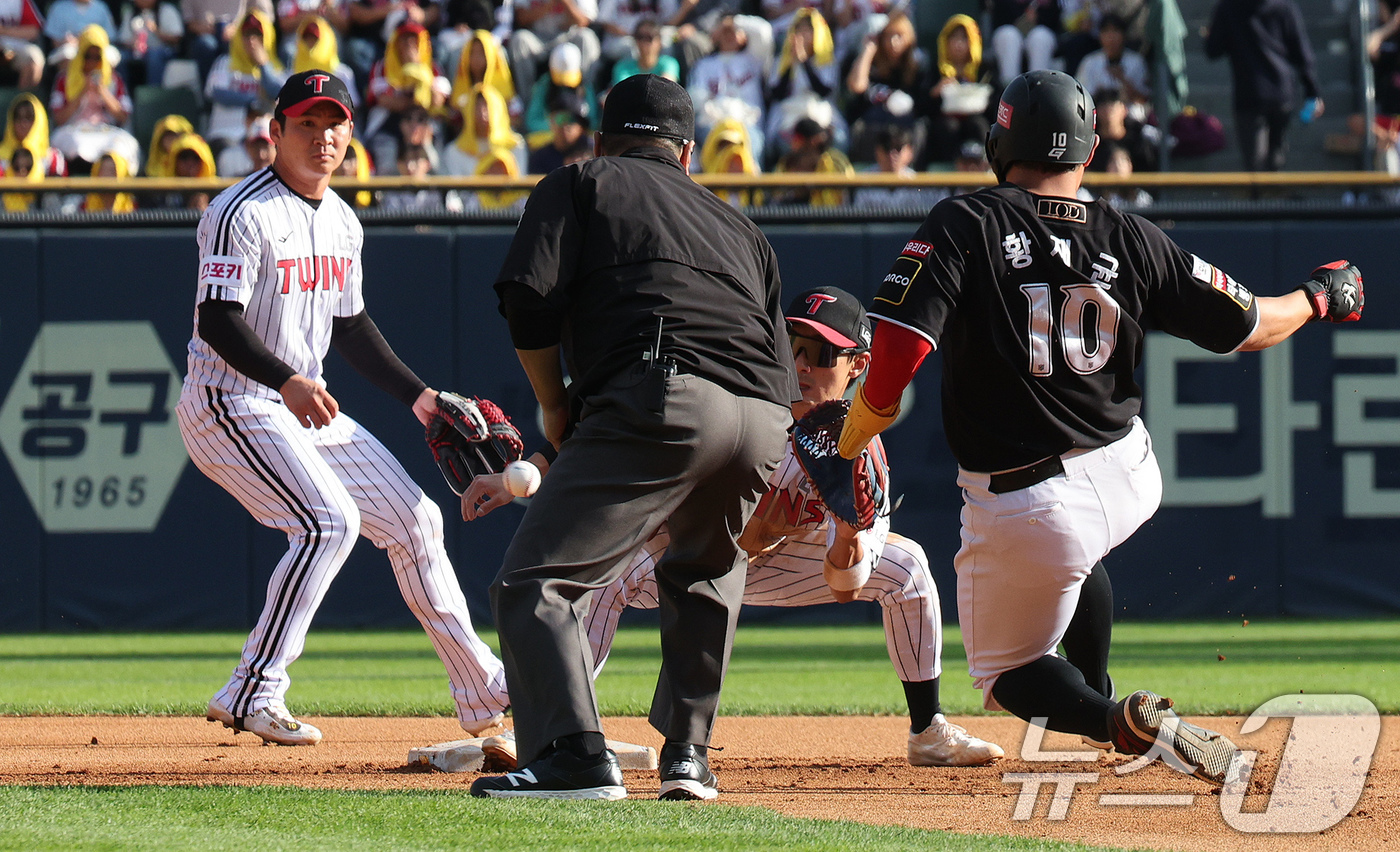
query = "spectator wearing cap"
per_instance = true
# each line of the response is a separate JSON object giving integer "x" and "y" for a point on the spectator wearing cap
{"x": 90, "y": 106}
{"x": 568, "y": 123}
{"x": 618, "y": 20}
{"x": 894, "y": 155}
{"x": 20, "y": 28}
{"x": 543, "y": 25}
{"x": 256, "y": 152}
{"x": 646, "y": 57}
{"x": 565, "y": 75}
{"x": 1115, "y": 66}
{"x": 729, "y": 84}
{"x": 405, "y": 77}
{"x": 805, "y": 79}
{"x": 485, "y": 129}
{"x": 250, "y": 71}
{"x": 318, "y": 48}
{"x": 27, "y": 126}
{"x": 609, "y": 256}
{"x": 482, "y": 62}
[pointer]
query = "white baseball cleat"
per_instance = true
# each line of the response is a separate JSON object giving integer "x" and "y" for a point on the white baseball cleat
{"x": 475, "y": 728}
{"x": 273, "y": 723}
{"x": 944, "y": 744}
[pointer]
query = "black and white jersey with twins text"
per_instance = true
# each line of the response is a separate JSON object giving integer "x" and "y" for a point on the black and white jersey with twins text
{"x": 292, "y": 263}
{"x": 1039, "y": 306}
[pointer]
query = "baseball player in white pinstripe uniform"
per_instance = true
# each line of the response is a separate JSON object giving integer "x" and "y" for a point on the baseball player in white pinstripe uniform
{"x": 793, "y": 541}
{"x": 279, "y": 283}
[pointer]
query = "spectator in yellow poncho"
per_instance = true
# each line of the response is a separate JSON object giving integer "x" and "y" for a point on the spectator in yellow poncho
{"x": 318, "y": 49}
{"x": 27, "y": 125}
{"x": 481, "y": 62}
{"x": 500, "y": 162}
{"x": 485, "y": 128}
{"x": 812, "y": 152}
{"x": 249, "y": 72}
{"x": 357, "y": 165}
{"x": 21, "y": 163}
{"x": 167, "y": 130}
{"x": 728, "y": 151}
{"x": 90, "y": 105}
{"x": 805, "y": 79}
{"x": 110, "y": 165}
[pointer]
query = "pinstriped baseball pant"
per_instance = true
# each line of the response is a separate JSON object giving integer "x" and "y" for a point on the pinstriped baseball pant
{"x": 791, "y": 575}
{"x": 324, "y": 488}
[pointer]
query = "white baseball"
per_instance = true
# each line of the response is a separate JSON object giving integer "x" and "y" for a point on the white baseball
{"x": 522, "y": 478}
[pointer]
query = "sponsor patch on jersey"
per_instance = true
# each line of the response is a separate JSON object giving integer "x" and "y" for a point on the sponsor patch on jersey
{"x": 1065, "y": 211}
{"x": 896, "y": 285}
{"x": 1004, "y": 111}
{"x": 914, "y": 248}
{"x": 1232, "y": 288}
{"x": 1202, "y": 271}
{"x": 221, "y": 271}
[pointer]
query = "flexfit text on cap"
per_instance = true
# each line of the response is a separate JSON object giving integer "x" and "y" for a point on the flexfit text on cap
{"x": 305, "y": 90}
{"x": 833, "y": 314}
{"x": 648, "y": 105}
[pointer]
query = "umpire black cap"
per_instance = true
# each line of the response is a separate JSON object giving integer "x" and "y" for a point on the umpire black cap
{"x": 648, "y": 105}
{"x": 1043, "y": 117}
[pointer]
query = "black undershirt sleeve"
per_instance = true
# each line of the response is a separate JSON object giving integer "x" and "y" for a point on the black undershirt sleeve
{"x": 222, "y": 326}
{"x": 534, "y": 324}
{"x": 360, "y": 343}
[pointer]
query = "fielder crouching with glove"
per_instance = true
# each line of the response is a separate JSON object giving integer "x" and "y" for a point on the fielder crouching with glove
{"x": 821, "y": 532}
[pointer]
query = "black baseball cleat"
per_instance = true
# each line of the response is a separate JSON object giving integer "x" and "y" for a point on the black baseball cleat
{"x": 685, "y": 773}
{"x": 1145, "y": 723}
{"x": 559, "y": 774}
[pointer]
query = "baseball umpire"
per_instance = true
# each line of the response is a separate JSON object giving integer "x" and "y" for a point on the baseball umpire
{"x": 800, "y": 553}
{"x": 665, "y": 303}
{"x": 1040, "y": 304}
{"x": 279, "y": 284}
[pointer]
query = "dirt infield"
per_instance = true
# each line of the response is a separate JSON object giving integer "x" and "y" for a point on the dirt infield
{"x": 832, "y": 767}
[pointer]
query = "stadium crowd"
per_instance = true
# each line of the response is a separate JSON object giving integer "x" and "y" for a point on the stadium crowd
{"x": 511, "y": 87}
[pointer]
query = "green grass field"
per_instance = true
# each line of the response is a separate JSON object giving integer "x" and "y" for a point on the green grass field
{"x": 806, "y": 670}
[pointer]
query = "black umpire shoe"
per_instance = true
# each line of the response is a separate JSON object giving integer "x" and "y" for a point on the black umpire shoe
{"x": 685, "y": 773}
{"x": 558, "y": 774}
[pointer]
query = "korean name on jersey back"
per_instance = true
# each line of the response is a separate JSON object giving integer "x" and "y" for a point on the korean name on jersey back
{"x": 1208, "y": 274}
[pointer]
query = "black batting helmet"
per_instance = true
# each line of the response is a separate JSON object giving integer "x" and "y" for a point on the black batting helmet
{"x": 1043, "y": 117}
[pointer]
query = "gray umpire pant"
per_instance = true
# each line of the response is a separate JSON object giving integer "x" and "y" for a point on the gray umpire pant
{"x": 700, "y": 465}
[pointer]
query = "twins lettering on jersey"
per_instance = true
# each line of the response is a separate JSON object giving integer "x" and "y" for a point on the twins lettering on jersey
{"x": 799, "y": 508}
{"x": 324, "y": 270}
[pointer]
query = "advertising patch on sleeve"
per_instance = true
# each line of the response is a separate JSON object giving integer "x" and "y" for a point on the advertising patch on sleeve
{"x": 896, "y": 285}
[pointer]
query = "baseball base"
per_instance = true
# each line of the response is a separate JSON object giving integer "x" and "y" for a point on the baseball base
{"x": 467, "y": 756}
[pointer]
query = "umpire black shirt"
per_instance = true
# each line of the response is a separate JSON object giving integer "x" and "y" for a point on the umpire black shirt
{"x": 606, "y": 247}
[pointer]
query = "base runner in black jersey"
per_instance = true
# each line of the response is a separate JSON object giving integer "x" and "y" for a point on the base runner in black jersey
{"x": 1040, "y": 303}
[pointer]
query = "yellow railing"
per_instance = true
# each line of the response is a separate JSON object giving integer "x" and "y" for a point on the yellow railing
{"x": 1146, "y": 180}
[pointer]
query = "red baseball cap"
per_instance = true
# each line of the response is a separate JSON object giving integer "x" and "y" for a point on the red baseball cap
{"x": 305, "y": 90}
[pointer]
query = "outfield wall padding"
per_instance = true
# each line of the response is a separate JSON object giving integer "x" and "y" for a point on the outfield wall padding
{"x": 1282, "y": 470}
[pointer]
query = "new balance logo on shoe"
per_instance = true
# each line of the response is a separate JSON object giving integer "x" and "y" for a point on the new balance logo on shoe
{"x": 523, "y": 775}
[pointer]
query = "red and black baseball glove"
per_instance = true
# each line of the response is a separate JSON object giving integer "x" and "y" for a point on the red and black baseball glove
{"x": 470, "y": 438}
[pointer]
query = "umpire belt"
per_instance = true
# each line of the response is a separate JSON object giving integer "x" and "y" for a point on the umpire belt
{"x": 1025, "y": 477}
